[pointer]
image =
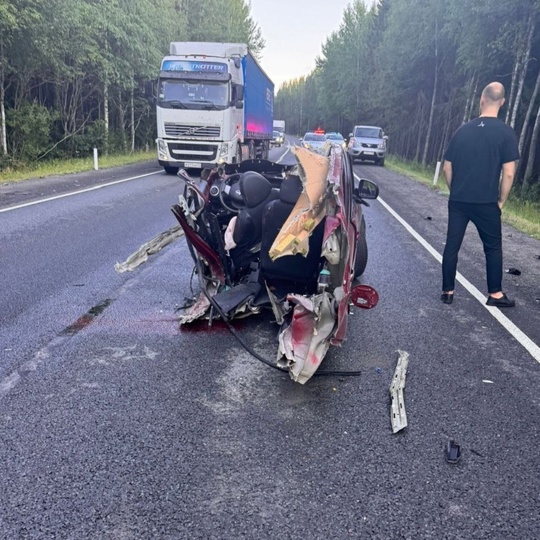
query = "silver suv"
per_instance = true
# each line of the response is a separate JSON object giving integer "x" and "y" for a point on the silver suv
{"x": 367, "y": 143}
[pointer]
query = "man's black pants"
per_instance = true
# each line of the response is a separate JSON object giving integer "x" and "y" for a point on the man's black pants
{"x": 487, "y": 218}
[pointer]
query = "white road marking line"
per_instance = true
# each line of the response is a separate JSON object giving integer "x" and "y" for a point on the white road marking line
{"x": 76, "y": 192}
{"x": 288, "y": 150}
{"x": 519, "y": 335}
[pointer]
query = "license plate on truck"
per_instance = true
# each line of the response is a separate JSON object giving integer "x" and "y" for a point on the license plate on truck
{"x": 192, "y": 165}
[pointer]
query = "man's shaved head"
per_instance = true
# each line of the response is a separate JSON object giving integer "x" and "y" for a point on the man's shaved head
{"x": 493, "y": 92}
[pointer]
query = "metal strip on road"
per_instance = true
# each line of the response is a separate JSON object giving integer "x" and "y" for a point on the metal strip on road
{"x": 515, "y": 332}
{"x": 71, "y": 193}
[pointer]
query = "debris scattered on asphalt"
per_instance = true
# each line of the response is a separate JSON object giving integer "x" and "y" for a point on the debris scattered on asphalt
{"x": 429, "y": 218}
{"x": 453, "y": 453}
{"x": 378, "y": 370}
{"x": 149, "y": 248}
{"x": 514, "y": 271}
{"x": 538, "y": 256}
{"x": 397, "y": 411}
{"x": 487, "y": 381}
{"x": 476, "y": 453}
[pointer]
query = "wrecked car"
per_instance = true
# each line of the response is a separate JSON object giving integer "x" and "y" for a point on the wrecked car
{"x": 286, "y": 238}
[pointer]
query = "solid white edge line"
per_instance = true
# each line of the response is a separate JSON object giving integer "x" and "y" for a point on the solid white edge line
{"x": 71, "y": 193}
{"x": 519, "y": 335}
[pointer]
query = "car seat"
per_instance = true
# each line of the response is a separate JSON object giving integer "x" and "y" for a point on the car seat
{"x": 295, "y": 273}
{"x": 256, "y": 192}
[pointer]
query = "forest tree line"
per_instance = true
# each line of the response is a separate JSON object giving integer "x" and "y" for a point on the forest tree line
{"x": 73, "y": 72}
{"x": 417, "y": 68}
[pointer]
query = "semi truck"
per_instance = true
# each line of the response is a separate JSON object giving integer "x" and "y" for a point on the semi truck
{"x": 279, "y": 125}
{"x": 214, "y": 106}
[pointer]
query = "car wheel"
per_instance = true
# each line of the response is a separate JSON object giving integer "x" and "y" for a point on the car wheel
{"x": 361, "y": 251}
{"x": 171, "y": 170}
{"x": 381, "y": 162}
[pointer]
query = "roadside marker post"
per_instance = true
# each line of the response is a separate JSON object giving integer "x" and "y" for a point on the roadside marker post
{"x": 96, "y": 167}
{"x": 437, "y": 171}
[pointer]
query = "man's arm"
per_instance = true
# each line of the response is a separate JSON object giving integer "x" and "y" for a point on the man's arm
{"x": 508, "y": 174}
{"x": 447, "y": 171}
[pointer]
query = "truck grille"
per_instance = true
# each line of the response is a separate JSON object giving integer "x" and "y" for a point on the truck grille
{"x": 193, "y": 152}
{"x": 369, "y": 145}
{"x": 179, "y": 130}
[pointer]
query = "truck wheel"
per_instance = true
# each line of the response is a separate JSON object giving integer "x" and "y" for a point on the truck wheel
{"x": 171, "y": 170}
{"x": 238, "y": 158}
{"x": 361, "y": 251}
{"x": 381, "y": 162}
{"x": 251, "y": 150}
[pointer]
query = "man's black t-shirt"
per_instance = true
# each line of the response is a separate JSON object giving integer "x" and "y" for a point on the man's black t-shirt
{"x": 477, "y": 152}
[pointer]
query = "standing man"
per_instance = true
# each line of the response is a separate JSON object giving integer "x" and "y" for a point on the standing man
{"x": 474, "y": 159}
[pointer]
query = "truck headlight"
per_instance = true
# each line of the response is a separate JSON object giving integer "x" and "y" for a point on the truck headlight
{"x": 224, "y": 150}
{"x": 380, "y": 145}
{"x": 223, "y": 153}
{"x": 162, "y": 149}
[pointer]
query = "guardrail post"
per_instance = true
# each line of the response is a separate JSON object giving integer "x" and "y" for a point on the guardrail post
{"x": 96, "y": 165}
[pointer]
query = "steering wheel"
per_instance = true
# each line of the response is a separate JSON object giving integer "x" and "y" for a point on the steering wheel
{"x": 230, "y": 190}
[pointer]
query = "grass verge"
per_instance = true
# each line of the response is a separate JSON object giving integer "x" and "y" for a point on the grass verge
{"x": 522, "y": 215}
{"x": 71, "y": 166}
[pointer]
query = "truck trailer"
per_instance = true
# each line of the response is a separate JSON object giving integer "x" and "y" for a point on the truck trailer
{"x": 214, "y": 106}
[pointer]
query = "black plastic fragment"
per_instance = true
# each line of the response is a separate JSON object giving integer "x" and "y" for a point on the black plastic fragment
{"x": 453, "y": 453}
{"x": 82, "y": 322}
{"x": 514, "y": 271}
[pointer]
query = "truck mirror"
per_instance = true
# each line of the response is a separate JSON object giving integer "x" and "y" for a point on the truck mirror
{"x": 240, "y": 92}
{"x": 239, "y": 104}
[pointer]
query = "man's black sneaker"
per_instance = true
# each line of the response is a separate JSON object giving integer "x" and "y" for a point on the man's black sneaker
{"x": 503, "y": 301}
{"x": 447, "y": 298}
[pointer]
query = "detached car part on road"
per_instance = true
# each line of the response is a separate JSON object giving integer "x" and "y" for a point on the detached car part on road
{"x": 286, "y": 238}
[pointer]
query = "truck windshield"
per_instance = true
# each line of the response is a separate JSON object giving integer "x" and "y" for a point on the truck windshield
{"x": 193, "y": 94}
{"x": 368, "y": 132}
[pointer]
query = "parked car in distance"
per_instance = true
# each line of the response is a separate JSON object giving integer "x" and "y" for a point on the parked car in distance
{"x": 277, "y": 138}
{"x": 336, "y": 138}
{"x": 314, "y": 141}
{"x": 367, "y": 143}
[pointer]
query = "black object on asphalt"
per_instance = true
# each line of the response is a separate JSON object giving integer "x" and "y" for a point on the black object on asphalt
{"x": 514, "y": 271}
{"x": 453, "y": 452}
{"x": 429, "y": 218}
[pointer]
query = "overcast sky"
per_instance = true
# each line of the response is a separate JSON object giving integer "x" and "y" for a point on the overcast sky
{"x": 294, "y": 31}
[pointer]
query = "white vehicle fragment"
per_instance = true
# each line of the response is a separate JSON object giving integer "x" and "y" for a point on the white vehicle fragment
{"x": 398, "y": 414}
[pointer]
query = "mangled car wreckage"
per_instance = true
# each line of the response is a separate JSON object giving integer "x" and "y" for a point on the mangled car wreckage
{"x": 290, "y": 238}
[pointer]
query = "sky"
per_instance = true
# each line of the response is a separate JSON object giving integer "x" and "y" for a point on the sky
{"x": 294, "y": 31}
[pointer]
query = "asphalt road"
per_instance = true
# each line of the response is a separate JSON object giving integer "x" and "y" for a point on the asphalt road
{"x": 133, "y": 428}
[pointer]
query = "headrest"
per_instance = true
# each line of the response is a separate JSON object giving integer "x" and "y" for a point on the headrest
{"x": 255, "y": 188}
{"x": 291, "y": 189}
